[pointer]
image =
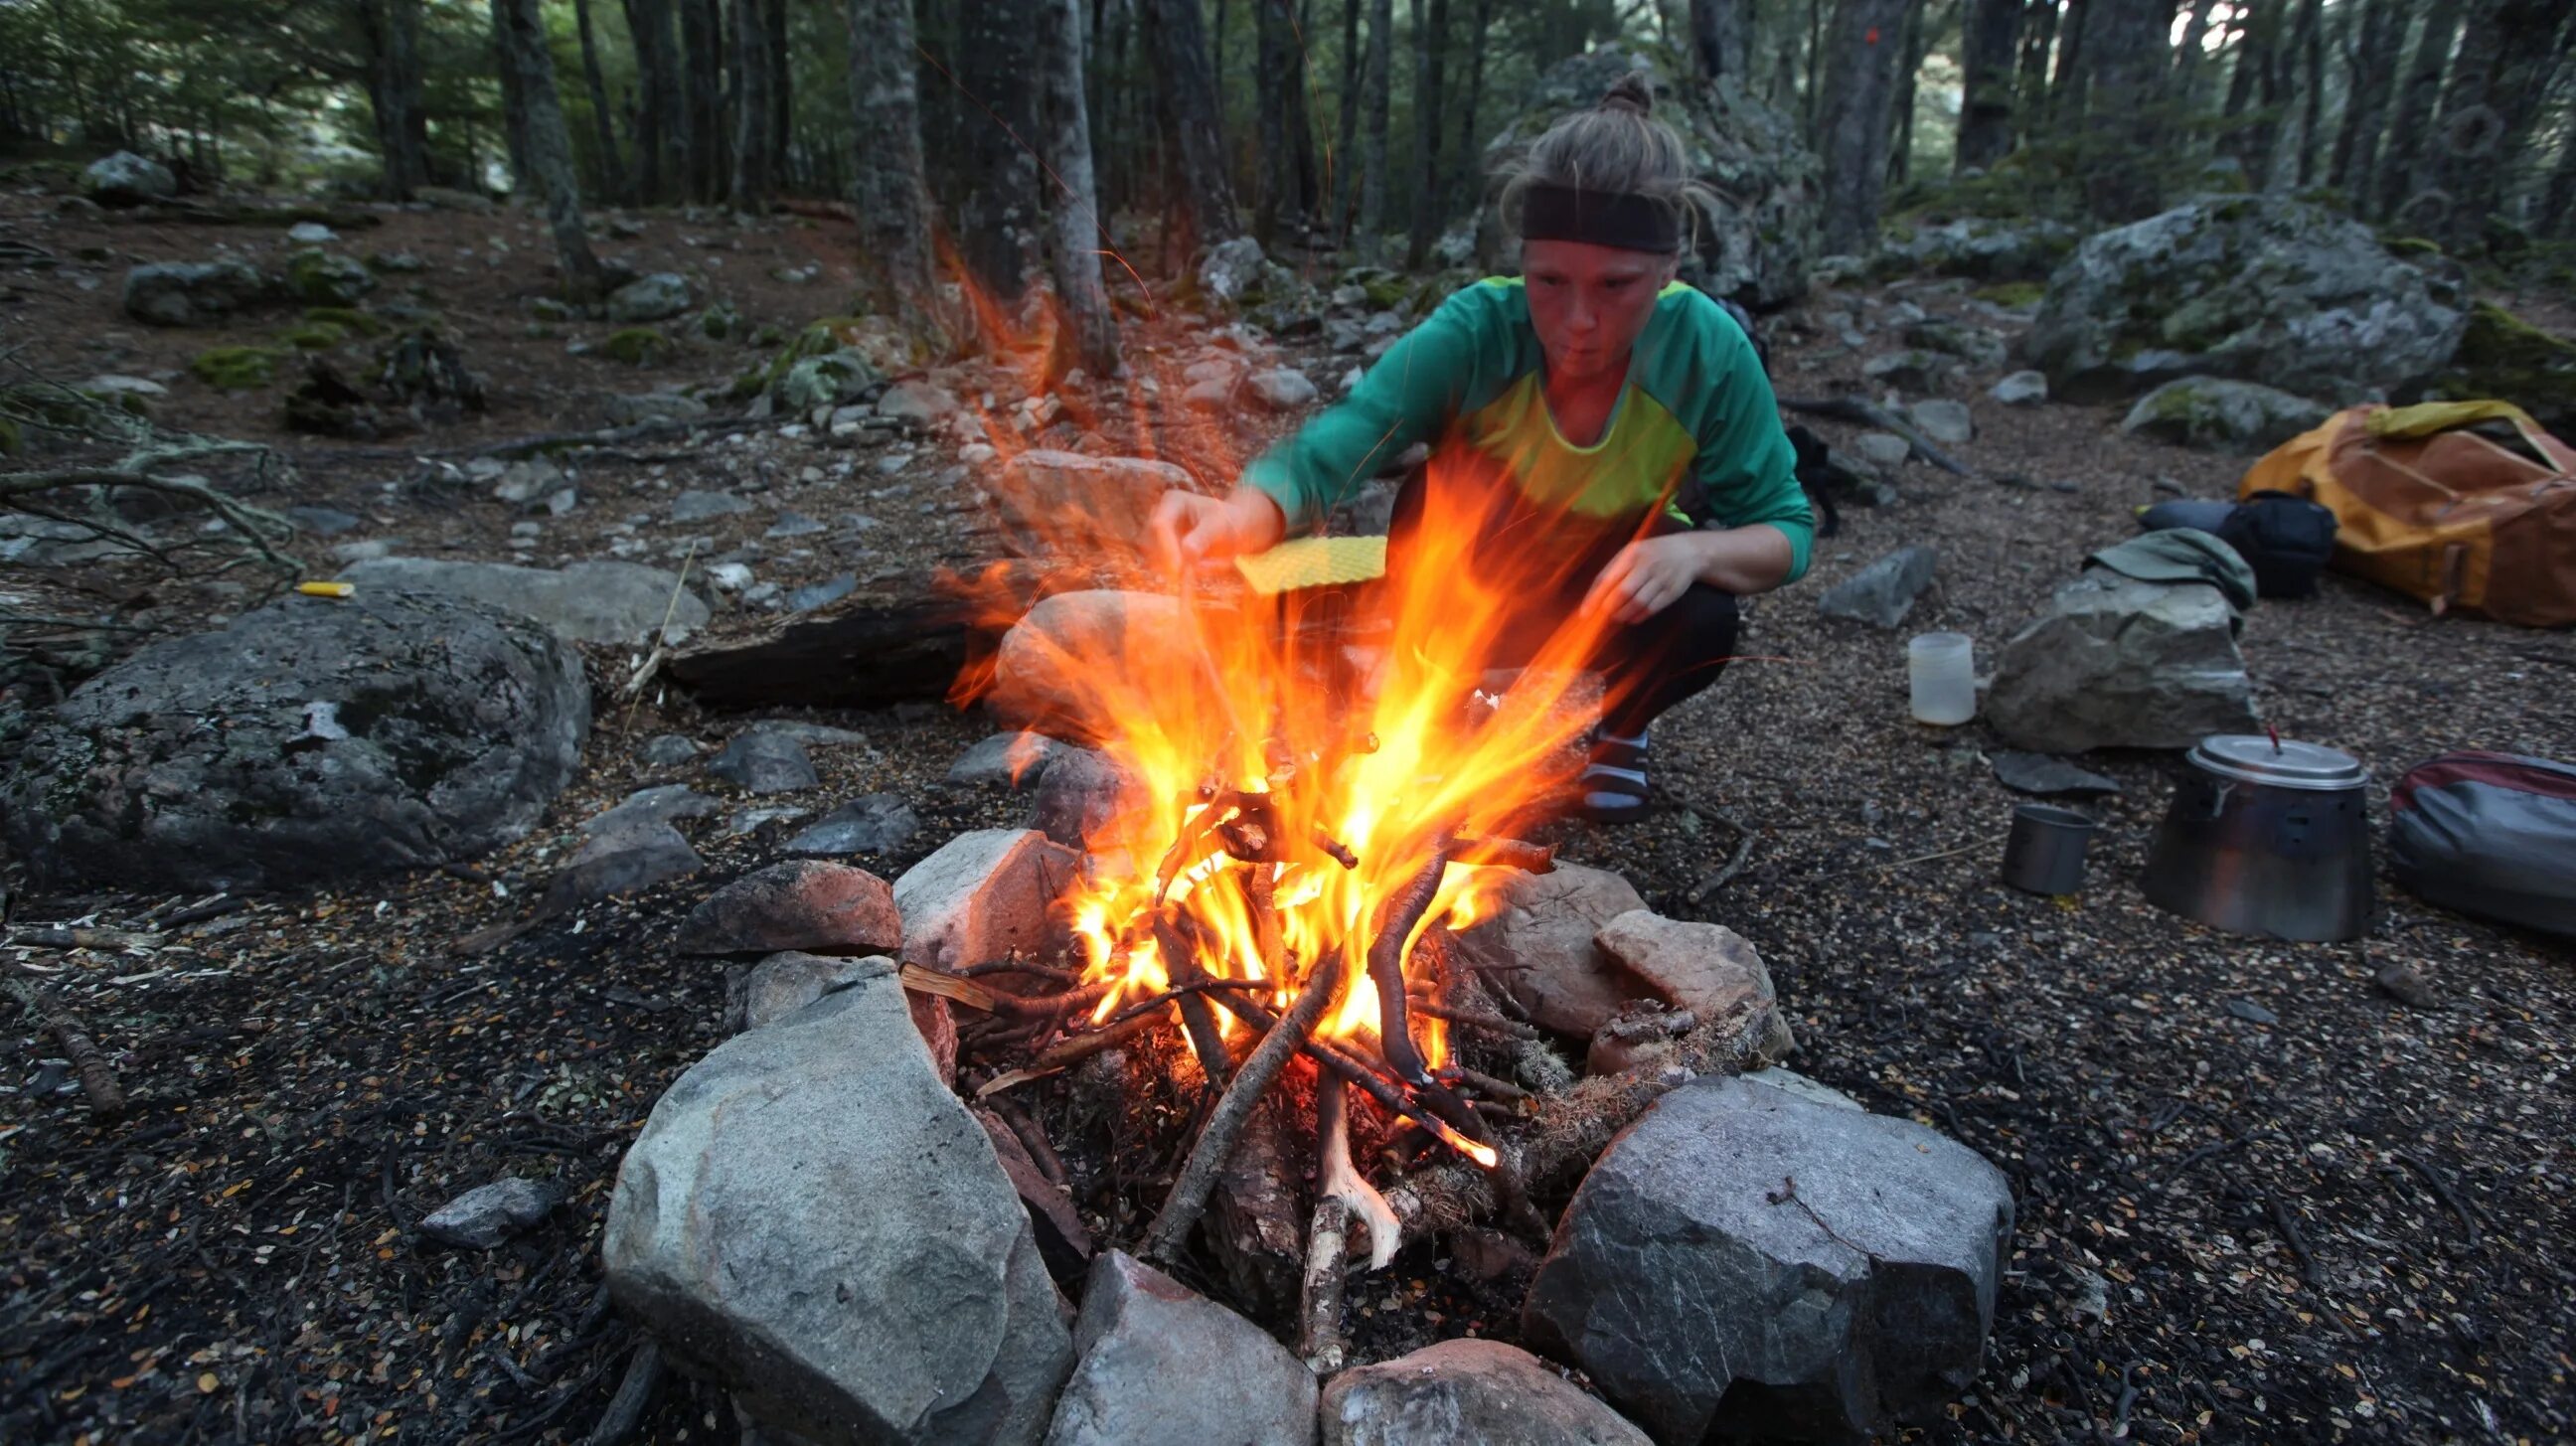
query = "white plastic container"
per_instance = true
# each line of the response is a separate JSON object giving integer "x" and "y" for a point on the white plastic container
{"x": 1942, "y": 669}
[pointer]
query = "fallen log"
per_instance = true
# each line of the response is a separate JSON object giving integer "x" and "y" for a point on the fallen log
{"x": 1870, "y": 414}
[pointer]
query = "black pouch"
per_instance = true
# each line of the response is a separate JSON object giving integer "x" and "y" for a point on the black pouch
{"x": 2285, "y": 539}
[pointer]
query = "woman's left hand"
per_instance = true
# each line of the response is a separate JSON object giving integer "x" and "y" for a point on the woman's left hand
{"x": 1647, "y": 576}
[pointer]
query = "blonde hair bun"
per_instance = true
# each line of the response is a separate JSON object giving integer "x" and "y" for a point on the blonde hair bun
{"x": 1632, "y": 93}
{"x": 1616, "y": 146}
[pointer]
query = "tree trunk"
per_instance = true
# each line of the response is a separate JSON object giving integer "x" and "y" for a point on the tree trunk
{"x": 1272, "y": 81}
{"x": 2066, "y": 92}
{"x": 2030, "y": 90}
{"x": 1721, "y": 38}
{"x": 2373, "y": 70}
{"x": 514, "y": 109}
{"x": 753, "y": 166}
{"x": 2130, "y": 56}
{"x": 1376, "y": 88}
{"x": 1860, "y": 86}
{"x": 1991, "y": 30}
{"x": 392, "y": 30}
{"x": 2195, "y": 36}
{"x": 2418, "y": 98}
{"x": 601, "y": 118}
{"x": 2496, "y": 88}
{"x": 1465, "y": 195}
{"x": 660, "y": 116}
{"x": 1190, "y": 122}
{"x": 1914, "y": 41}
{"x": 1430, "y": 57}
{"x": 2558, "y": 206}
{"x": 521, "y": 33}
{"x": 702, "y": 65}
{"x": 888, "y": 196}
{"x": 781, "y": 115}
{"x": 2308, "y": 43}
{"x": 997, "y": 220}
{"x": 2254, "y": 90}
{"x": 1815, "y": 71}
{"x": 1086, "y": 331}
{"x": 1346, "y": 132}
{"x": 1309, "y": 195}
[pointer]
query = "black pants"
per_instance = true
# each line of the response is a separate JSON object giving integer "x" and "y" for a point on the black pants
{"x": 1646, "y": 667}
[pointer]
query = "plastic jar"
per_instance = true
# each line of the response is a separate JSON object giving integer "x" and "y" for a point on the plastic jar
{"x": 1942, "y": 669}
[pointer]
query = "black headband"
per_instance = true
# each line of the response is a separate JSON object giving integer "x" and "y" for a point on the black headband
{"x": 1622, "y": 219}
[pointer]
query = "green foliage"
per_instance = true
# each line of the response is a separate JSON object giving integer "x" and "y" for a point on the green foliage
{"x": 12, "y": 439}
{"x": 314, "y": 336}
{"x": 720, "y": 322}
{"x": 2015, "y": 294}
{"x": 237, "y": 368}
{"x": 348, "y": 319}
{"x": 638, "y": 346}
{"x": 2503, "y": 356}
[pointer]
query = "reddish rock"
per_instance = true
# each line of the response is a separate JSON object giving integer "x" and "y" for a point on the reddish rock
{"x": 804, "y": 904}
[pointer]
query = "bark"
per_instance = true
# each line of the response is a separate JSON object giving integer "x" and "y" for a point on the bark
{"x": 514, "y": 110}
{"x": 1815, "y": 69}
{"x": 2418, "y": 97}
{"x": 1192, "y": 134}
{"x": 2039, "y": 40}
{"x": 1376, "y": 90}
{"x": 2497, "y": 84}
{"x": 1086, "y": 323}
{"x": 1721, "y": 38}
{"x": 1900, "y": 149}
{"x": 1274, "y": 201}
{"x": 2558, "y": 209}
{"x": 522, "y": 36}
{"x": 2254, "y": 90}
{"x": 392, "y": 31}
{"x": 1470, "y": 142}
{"x": 2125, "y": 123}
{"x": 2195, "y": 37}
{"x": 601, "y": 118}
{"x": 888, "y": 195}
{"x": 1430, "y": 59}
{"x": 754, "y": 169}
{"x": 2066, "y": 91}
{"x": 1346, "y": 133}
{"x": 1991, "y": 30}
{"x": 660, "y": 120}
{"x": 781, "y": 114}
{"x": 1301, "y": 125}
{"x": 702, "y": 71}
{"x": 2373, "y": 70}
{"x": 2309, "y": 45}
{"x": 997, "y": 219}
{"x": 1860, "y": 86}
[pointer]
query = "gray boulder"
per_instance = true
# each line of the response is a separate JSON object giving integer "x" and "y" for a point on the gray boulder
{"x": 626, "y": 411}
{"x": 587, "y": 602}
{"x": 802, "y": 904}
{"x": 486, "y": 1215}
{"x": 2021, "y": 389}
{"x": 647, "y": 299}
{"x": 309, "y": 741}
{"x": 1009, "y": 760}
{"x": 1281, "y": 389}
{"x": 635, "y": 854}
{"x": 875, "y": 823}
{"x": 783, "y": 983}
{"x": 1759, "y": 248}
{"x": 2258, "y": 287}
{"x": 1856, "y": 1258}
{"x": 126, "y": 179}
{"x": 1882, "y": 593}
{"x": 696, "y": 505}
{"x": 2215, "y": 414}
{"x": 764, "y": 761}
{"x": 1975, "y": 345}
{"x": 1944, "y": 421}
{"x": 2119, "y": 663}
{"x": 1081, "y": 793}
{"x": 1051, "y": 665}
{"x": 812, "y": 1219}
{"x": 1982, "y": 248}
{"x": 1048, "y": 500}
{"x": 1914, "y": 369}
{"x": 1885, "y": 451}
{"x": 1232, "y": 269}
{"x": 201, "y": 293}
{"x": 1538, "y": 944}
{"x": 1467, "y": 1390}
{"x": 322, "y": 278}
{"x": 985, "y": 894}
{"x": 1163, "y": 1366}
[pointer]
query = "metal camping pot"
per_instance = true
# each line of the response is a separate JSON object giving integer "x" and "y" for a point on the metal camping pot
{"x": 2044, "y": 853}
{"x": 2266, "y": 838}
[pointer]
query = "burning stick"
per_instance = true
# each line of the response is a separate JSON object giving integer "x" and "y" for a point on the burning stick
{"x": 1340, "y": 1195}
{"x": 1181, "y": 966}
{"x": 1509, "y": 852}
{"x": 1339, "y": 851}
{"x": 1403, "y": 914}
{"x": 1357, "y": 1071}
{"x": 1181, "y": 1209}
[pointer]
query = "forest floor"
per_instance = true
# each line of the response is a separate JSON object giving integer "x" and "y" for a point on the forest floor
{"x": 2259, "y": 1199}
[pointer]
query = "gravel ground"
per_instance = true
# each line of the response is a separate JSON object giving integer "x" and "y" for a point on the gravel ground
{"x": 2259, "y": 1198}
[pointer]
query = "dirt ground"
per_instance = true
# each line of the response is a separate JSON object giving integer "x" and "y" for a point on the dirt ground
{"x": 2259, "y": 1199}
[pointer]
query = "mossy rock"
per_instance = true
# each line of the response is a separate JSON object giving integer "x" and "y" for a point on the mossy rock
{"x": 1386, "y": 293}
{"x": 349, "y": 319}
{"x": 2411, "y": 247}
{"x": 314, "y": 336}
{"x": 720, "y": 322}
{"x": 2505, "y": 357}
{"x": 2013, "y": 294}
{"x": 638, "y": 346}
{"x": 237, "y": 368}
{"x": 12, "y": 440}
{"x": 770, "y": 334}
{"x": 547, "y": 308}
{"x": 323, "y": 279}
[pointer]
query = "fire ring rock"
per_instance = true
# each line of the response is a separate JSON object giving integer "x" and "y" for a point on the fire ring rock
{"x": 803, "y": 904}
{"x": 811, "y": 1218}
{"x": 1162, "y": 1366}
{"x": 1467, "y": 1390}
{"x": 983, "y": 895}
{"x": 1747, "y": 1261}
{"x": 309, "y": 742}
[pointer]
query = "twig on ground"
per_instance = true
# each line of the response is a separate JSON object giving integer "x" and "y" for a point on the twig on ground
{"x": 1725, "y": 873}
{"x": 2288, "y": 1225}
{"x": 2450, "y": 1197}
{"x": 113, "y": 940}
{"x": 634, "y": 1393}
{"x": 97, "y": 1078}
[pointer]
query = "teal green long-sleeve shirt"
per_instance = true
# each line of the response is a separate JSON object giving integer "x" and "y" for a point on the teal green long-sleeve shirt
{"x": 1695, "y": 430}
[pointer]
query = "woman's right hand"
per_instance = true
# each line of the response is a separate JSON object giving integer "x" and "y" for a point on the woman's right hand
{"x": 1192, "y": 530}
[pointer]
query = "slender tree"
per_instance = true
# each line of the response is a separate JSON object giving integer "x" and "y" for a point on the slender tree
{"x": 391, "y": 32}
{"x": 1721, "y": 39}
{"x": 1860, "y": 87}
{"x": 660, "y": 115}
{"x": 2294, "y": 165}
{"x": 521, "y": 35}
{"x": 2373, "y": 69}
{"x": 752, "y": 163}
{"x": 1430, "y": 59}
{"x": 1375, "y": 102}
{"x": 601, "y": 119}
{"x": 2497, "y": 83}
{"x": 2124, "y": 122}
{"x": 1992, "y": 31}
{"x": 2418, "y": 98}
{"x": 1192, "y": 135}
{"x": 997, "y": 218}
{"x": 1470, "y": 139}
{"x": 2038, "y": 43}
{"x": 2256, "y": 89}
{"x": 1086, "y": 332}
{"x": 702, "y": 59}
{"x": 2195, "y": 35}
{"x": 781, "y": 113}
{"x": 1346, "y": 133}
{"x": 2066, "y": 90}
{"x": 1914, "y": 40}
{"x": 1273, "y": 85}
{"x": 888, "y": 195}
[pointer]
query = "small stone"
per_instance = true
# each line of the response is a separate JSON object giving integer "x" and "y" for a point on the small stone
{"x": 486, "y": 1215}
{"x": 310, "y": 233}
{"x": 812, "y": 735}
{"x": 1882, "y": 593}
{"x": 635, "y": 855}
{"x": 1014, "y": 760}
{"x": 814, "y": 595}
{"x": 667, "y": 750}
{"x": 916, "y": 401}
{"x": 793, "y": 524}
{"x": 2041, "y": 776}
{"x": 1885, "y": 451}
{"x": 1281, "y": 389}
{"x": 1913, "y": 370}
{"x": 697, "y": 506}
{"x": 2407, "y": 985}
{"x": 657, "y": 297}
{"x": 2021, "y": 389}
{"x": 878, "y": 823}
{"x": 765, "y": 763}
{"x": 322, "y": 521}
{"x": 805, "y": 904}
{"x": 729, "y": 576}
{"x": 660, "y": 804}
{"x": 1944, "y": 421}
{"x": 2251, "y": 1012}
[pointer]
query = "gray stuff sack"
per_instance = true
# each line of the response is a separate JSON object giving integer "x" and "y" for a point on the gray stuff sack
{"x": 2489, "y": 834}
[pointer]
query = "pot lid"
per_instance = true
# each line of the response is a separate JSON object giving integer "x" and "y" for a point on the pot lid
{"x": 2287, "y": 764}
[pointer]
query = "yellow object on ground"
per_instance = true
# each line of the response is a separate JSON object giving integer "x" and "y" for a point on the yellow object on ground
{"x": 326, "y": 589}
{"x": 1314, "y": 562}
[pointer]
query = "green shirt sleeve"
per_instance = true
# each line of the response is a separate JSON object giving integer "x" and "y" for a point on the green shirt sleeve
{"x": 1745, "y": 466}
{"x": 1462, "y": 350}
